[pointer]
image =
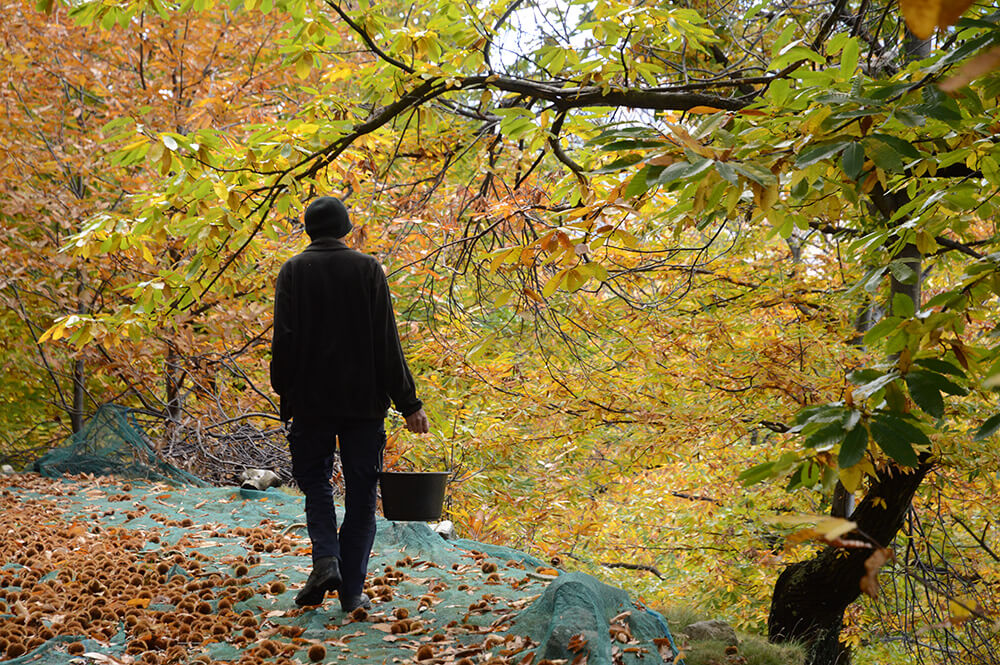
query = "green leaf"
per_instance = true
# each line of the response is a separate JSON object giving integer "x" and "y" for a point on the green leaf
{"x": 682, "y": 170}
{"x": 988, "y": 428}
{"x": 849, "y": 58}
{"x": 756, "y": 474}
{"x": 758, "y": 174}
{"x": 853, "y": 447}
{"x": 638, "y": 185}
{"x": 881, "y": 329}
{"x": 940, "y": 382}
{"x": 727, "y": 172}
{"x": 925, "y": 393}
{"x": 619, "y": 164}
{"x": 819, "y": 152}
{"x": 895, "y": 399}
{"x": 862, "y": 393}
{"x": 800, "y": 188}
{"x": 634, "y": 144}
{"x": 853, "y": 160}
{"x": 896, "y": 437}
{"x": 940, "y": 366}
{"x": 902, "y": 147}
{"x": 863, "y": 376}
{"x": 884, "y": 156}
{"x": 902, "y": 271}
{"x": 902, "y": 305}
{"x": 794, "y": 54}
{"x": 825, "y": 437}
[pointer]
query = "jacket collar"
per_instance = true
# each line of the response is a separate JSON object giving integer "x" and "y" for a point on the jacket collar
{"x": 325, "y": 245}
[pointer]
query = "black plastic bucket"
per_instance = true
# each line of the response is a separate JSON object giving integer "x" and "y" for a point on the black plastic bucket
{"x": 413, "y": 496}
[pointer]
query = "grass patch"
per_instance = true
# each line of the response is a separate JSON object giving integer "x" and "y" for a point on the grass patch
{"x": 751, "y": 650}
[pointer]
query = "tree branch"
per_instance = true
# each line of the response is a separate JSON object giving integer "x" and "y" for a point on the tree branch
{"x": 561, "y": 155}
{"x": 369, "y": 42}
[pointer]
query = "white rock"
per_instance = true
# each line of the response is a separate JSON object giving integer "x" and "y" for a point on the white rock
{"x": 259, "y": 479}
{"x": 445, "y": 529}
{"x": 714, "y": 629}
{"x": 6, "y": 469}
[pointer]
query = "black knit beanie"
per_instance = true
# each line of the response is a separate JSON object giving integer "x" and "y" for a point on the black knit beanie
{"x": 326, "y": 217}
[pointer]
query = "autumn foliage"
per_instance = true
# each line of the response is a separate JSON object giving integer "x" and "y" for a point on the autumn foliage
{"x": 660, "y": 281}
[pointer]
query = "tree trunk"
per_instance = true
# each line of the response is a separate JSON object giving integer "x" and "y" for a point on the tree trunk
{"x": 79, "y": 386}
{"x": 79, "y": 377}
{"x": 810, "y": 597}
{"x": 174, "y": 377}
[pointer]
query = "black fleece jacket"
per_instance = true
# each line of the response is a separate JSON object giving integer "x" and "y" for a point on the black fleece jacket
{"x": 335, "y": 351}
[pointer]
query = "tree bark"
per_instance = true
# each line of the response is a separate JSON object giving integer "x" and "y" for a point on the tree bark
{"x": 79, "y": 388}
{"x": 79, "y": 375}
{"x": 810, "y": 596}
{"x": 174, "y": 379}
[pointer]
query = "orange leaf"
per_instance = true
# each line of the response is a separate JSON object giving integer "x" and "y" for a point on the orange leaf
{"x": 984, "y": 63}
{"x": 705, "y": 110}
{"x": 921, "y": 16}
{"x": 878, "y": 558}
{"x": 951, "y": 11}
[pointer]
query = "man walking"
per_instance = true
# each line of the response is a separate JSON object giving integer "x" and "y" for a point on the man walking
{"x": 336, "y": 361}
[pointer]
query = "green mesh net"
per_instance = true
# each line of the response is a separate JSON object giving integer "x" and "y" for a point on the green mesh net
{"x": 217, "y": 561}
{"x": 112, "y": 443}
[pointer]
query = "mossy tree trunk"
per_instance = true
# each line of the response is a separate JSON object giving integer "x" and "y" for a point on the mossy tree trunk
{"x": 810, "y": 596}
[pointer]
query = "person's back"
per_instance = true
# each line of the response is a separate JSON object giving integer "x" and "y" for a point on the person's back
{"x": 337, "y": 353}
{"x": 336, "y": 362}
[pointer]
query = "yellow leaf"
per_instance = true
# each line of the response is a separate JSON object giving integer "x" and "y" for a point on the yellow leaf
{"x": 303, "y": 65}
{"x": 690, "y": 142}
{"x": 851, "y": 477}
{"x": 962, "y": 608}
{"x": 835, "y": 527}
{"x": 926, "y": 243}
{"x": 141, "y": 141}
{"x": 553, "y": 283}
{"x": 921, "y": 16}
{"x": 531, "y": 293}
{"x": 574, "y": 280}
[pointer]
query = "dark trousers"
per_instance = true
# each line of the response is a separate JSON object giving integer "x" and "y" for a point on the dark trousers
{"x": 312, "y": 445}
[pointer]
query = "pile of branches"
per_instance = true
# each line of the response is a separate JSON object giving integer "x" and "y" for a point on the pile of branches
{"x": 218, "y": 449}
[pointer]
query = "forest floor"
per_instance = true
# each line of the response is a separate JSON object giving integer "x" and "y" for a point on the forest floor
{"x": 99, "y": 570}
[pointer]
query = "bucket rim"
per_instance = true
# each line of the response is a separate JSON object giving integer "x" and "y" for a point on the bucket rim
{"x": 405, "y": 474}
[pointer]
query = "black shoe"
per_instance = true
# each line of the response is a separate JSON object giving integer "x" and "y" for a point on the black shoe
{"x": 354, "y": 602}
{"x": 325, "y": 576}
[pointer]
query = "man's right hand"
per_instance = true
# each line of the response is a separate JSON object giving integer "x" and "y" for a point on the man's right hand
{"x": 417, "y": 422}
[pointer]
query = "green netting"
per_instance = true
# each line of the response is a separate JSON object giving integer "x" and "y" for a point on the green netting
{"x": 470, "y": 598}
{"x": 581, "y": 608}
{"x": 112, "y": 443}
